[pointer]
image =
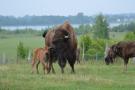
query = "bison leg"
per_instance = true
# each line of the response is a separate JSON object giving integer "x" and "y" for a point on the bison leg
{"x": 37, "y": 67}
{"x": 72, "y": 66}
{"x": 33, "y": 64}
{"x": 71, "y": 61}
{"x": 78, "y": 61}
{"x": 44, "y": 65}
{"x": 53, "y": 71}
{"x": 62, "y": 64}
{"x": 49, "y": 67}
{"x": 43, "y": 68}
{"x": 125, "y": 64}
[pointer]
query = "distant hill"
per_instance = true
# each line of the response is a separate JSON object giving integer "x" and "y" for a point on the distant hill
{"x": 80, "y": 18}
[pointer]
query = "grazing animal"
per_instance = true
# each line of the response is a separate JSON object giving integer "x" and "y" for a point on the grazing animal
{"x": 39, "y": 55}
{"x": 123, "y": 49}
{"x": 62, "y": 43}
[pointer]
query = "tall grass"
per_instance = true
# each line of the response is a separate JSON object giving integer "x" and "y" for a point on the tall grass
{"x": 92, "y": 75}
{"x": 89, "y": 76}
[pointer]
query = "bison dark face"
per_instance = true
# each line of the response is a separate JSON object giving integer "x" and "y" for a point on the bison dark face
{"x": 108, "y": 60}
{"x": 61, "y": 35}
{"x": 111, "y": 54}
{"x": 60, "y": 39}
{"x": 59, "y": 43}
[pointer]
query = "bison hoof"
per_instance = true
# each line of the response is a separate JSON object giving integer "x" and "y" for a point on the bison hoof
{"x": 53, "y": 72}
{"x": 72, "y": 72}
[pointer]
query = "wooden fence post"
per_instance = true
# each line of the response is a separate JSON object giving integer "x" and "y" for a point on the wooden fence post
{"x": 106, "y": 50}
{"x": 29, "y": 56}
{"x": 96, "y": 56}
{"x": 17, "y": 58}
{"x": 3, "y": 58}
{"x": 83, "y": 54}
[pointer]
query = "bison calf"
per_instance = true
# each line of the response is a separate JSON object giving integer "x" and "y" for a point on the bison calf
{"x": 39, "y": 55}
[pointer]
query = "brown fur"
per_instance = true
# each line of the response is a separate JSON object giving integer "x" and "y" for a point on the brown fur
{"x": 124, "y": 50}
{"x": 39, "y": 56}
{"x": 67, "y": 27}
{"x": 65, "y": 48}
{"x": 49, "y": 38}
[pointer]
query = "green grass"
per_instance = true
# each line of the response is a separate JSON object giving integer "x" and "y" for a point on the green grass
{"x": 89, "y": 76}
{"x": 9, "y": 45}
{"x": 117, "y": 35}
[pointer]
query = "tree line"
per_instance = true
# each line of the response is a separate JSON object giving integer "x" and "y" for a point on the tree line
{"x": 80, "y": 18}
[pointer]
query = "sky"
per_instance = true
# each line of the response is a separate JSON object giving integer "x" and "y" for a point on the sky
{"x": 65, "y": 7}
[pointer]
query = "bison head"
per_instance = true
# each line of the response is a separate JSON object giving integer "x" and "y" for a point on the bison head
{"x": 59, "y": 42}
{"x": 61, "y": 38}
{"x": 111, "y": 54}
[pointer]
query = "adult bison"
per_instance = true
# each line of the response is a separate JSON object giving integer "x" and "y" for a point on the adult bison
{"x": 62, "y": 43}
{"x": 122, "y": 49}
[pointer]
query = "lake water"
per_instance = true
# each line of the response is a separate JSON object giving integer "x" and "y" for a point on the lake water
{"x": 44, "y": 27}
{"x": 24, "y": 27}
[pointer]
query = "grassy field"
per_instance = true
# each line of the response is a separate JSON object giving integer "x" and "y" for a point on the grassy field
{"x": 117, "y": 35}
{"x": 9, "y": 44}
{"x": 89, "y": 76}
{"x": 93, "y": 75}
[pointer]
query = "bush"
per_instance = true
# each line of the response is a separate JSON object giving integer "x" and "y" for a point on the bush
{"x": 86, "y": 41}
{"x": 92, "y": 46}
{"x": 22, "y": 52}
{"x": 99, "y": 46}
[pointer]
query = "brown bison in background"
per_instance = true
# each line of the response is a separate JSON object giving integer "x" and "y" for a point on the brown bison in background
{"x": 62, "y": 45}
{"x": 123, "y": 49}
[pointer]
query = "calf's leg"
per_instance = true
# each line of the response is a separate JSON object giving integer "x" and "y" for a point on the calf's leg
{"x": 37, "y": 67}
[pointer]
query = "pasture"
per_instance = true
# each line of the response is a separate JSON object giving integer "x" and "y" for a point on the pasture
{"x": 91, "y": 75}
{"x": 8, "y": 44}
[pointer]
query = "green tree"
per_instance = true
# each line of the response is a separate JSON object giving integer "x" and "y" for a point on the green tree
{"x": 85, "y": 42}
{"x": 100, "y": 28}
{"x": 83, "y": 29}
{"x": 22, "y": 51}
